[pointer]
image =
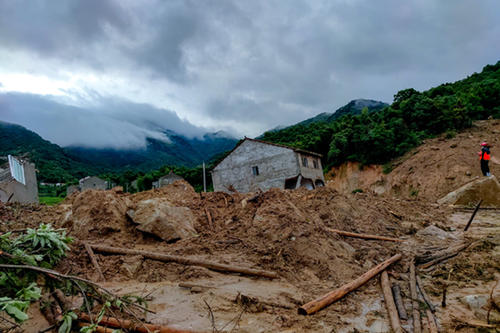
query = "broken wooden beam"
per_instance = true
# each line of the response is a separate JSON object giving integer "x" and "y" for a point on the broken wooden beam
{"x": 444, "y": 255}
{"x": 398, "y": 300}
{"x": 186, "y": 261}
{"x": 130, "y": 325}
{"x": 364, "y": 236}
{"x": 209, "y": 218}
{"x": 389, "y": 303}
{"x": 426, "y": 297}
{"x": 93, "y": 260}
{"x": 473, "y": 215}
{"x": 325, "y": 300}
{"x": 417, "y": 328}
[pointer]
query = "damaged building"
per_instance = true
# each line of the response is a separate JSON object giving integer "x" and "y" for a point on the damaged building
{"x": 168, "y": 179}
{"x": 258, "y": 165}
{"x": 18, "y": 181}
{"x": 88, "y": 183}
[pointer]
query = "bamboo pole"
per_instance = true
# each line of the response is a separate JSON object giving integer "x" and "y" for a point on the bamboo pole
{"x": 396, "y": 292}
{"x": 186, "y": 261}
{"x": 94, "y": 261}
{"x": 389, "y": 303}
{"x": 473, "y": 214}
{"x": 417, "y": 328}
{"x": 130, "y": 325}
{"x": 325, "y": 300}
{"x": 364, "y": 236}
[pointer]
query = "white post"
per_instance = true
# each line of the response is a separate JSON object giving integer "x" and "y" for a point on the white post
{"x": 204, "y": 180}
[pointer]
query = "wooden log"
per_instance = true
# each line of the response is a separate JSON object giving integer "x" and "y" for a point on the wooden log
{"x": 389, "y": 303}
{"x": 364, "y": 236}
{"x": 426, "y": 297}
{"x": 398, "y": 300}
{"x": 417, "y": 328}
{"x": 325, "y": 300}
{"x": 93, "y": 260}
{"x": 431, "y": 321}
{"x": 444, "y": 255}
{"x": 130, "y": 325}
{"x": 473, "y": 215}
{"x": 186, "y": 261}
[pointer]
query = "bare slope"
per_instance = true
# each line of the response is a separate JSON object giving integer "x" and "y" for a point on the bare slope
{"x": 431, "y": 171}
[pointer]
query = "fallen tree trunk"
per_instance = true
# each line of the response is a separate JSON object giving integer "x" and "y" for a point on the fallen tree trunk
{"x": 325, "y": 300}
{"x": 398, "y": 300}
{"x": 364, "y": 236}
{"x": 130, "y": 325}
{"x": 417, "y": 328}
{"x": 424, "y": 294}
{"x": 186, "y": 261}
{"x": 94, "y": 261}
{"x": 389, "y": 303}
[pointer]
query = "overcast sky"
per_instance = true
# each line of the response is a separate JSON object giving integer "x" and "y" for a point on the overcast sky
{"x": 110, "y": 73}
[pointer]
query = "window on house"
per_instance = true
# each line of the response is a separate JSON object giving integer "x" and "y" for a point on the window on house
{"x": 304, "y": 161}
{"x": 255, "y": 170}
{"x": 315, "y": 163}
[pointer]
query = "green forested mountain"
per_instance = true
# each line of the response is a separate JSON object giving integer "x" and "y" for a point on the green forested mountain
{"x": 377, "y": 137}
{"x": 52, "y": 162}
{"x": 354, "y": 107}
{"x": 56, "y": 164}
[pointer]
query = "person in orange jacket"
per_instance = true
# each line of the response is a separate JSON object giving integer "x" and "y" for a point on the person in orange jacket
{"x": 484, "y": 158}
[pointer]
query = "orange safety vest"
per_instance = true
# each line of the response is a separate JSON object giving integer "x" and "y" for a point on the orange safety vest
{"x": 484, "y": 156}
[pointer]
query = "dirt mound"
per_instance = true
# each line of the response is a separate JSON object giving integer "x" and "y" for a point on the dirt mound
{"x": 96, "y": 214}
{"x": 486, "y": 189}
{"x": 430, "y": 171}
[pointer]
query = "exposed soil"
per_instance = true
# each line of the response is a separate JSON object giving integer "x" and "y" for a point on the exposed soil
{"x": 288, "y": 232}
{"x": 430, "y": 171}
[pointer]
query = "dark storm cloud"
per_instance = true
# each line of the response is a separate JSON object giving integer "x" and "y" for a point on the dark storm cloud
{"x": 113, "y": 123}
{"x": 258, "y": 64}
{"x": 63, "y": 29}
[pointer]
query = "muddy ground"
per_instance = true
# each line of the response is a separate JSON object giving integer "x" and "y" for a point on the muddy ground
{"x": 287, "y": 232}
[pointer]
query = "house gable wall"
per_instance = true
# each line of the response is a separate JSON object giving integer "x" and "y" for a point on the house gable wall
{"x": 275, "y": 164}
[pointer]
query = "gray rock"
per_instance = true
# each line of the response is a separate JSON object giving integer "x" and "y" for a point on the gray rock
{"x": 434, "y": 233}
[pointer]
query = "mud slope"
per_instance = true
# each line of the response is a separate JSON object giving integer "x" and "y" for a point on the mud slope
{"x": 430, "y": 171}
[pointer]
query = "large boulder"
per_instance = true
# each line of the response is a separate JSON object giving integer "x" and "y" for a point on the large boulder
{"x": 485, "y": 188}
{"x": 159, "y": 217}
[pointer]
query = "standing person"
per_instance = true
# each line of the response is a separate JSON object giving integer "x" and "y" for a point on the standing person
{"x": 484, "y": 158}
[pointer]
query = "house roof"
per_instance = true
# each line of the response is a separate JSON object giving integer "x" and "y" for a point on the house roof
{"x": 298, "y": 150}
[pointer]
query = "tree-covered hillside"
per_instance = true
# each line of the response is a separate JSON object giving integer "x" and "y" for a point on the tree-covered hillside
{"x": 377, "y": 137}
{"x": 52, "y": 162}
{"x": 56, "y": 164}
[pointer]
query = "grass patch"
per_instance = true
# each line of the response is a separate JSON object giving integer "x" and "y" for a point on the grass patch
{"x": 50, "y": 201}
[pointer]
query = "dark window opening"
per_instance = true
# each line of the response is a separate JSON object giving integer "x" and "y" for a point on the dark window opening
{"x": 315, "y": 163}
{"x": 304, "y": 161}
{"x": 255, "y": 170}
